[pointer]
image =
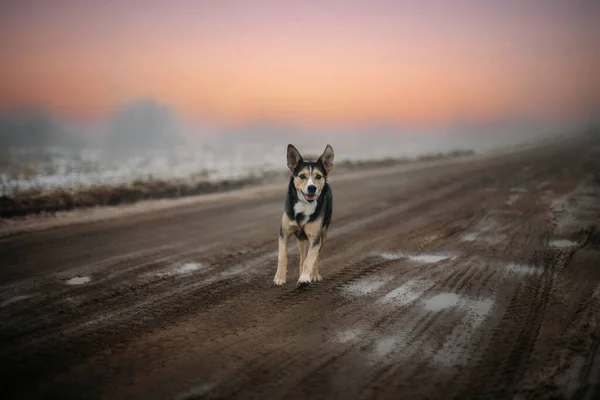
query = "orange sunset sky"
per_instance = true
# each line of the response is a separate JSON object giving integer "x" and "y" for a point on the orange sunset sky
{"x": 304, "y": 62}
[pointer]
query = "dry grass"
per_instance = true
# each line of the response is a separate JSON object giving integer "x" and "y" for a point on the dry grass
{"x": 36, "y": 201}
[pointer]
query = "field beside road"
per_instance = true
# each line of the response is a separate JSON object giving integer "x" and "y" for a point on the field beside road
{"x": 474, "y": 277}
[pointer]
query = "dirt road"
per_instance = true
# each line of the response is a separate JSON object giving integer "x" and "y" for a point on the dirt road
{"x": 465, "y": 280}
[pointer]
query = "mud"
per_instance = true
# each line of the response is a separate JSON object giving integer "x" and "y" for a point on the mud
{"x": 438, "y": 283}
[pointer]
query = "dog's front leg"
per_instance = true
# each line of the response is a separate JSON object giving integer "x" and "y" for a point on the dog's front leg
{"x": 314, "y": 246}
{"x": 282, "y": 260}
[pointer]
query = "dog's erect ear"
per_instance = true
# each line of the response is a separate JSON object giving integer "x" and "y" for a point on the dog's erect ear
{"x": 326, "y": 158}
{"x": 293, "y": 158}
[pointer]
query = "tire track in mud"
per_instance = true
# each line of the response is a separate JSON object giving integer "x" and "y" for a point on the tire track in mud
{"x": 515, "y": 342}
{"x": 297, "y": 299}
{"x": 144, "y": 287}
{"x": 326, "y": 358}
{"x": 417, "y": 327}
{"x": 81, "y": 339}
{"x": 243, "y": 337}
{"x": 490, "y": 275}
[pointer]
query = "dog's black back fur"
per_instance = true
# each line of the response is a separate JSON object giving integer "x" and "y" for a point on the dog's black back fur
{"x": 324, "y": 207}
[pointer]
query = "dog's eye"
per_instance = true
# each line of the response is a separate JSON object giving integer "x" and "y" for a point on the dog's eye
{"x": 318, "y": 177}
{"x": 302, "y": 176}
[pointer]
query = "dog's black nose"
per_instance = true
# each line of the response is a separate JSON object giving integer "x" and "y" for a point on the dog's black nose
{"x": 311, "y": 189}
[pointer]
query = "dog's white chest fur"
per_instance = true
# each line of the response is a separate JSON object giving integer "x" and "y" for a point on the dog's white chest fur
{"x": 307, "y": 209}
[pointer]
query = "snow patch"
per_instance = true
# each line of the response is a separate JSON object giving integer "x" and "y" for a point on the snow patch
{"x": 348, "y": 335}
{"x": 421, "y": 258}
{"x": 182, "y": 269}
{"x": 441, "y": 301}
{"x": 478, "y": 310}
{"x": 385, "y": 347}
{"x": 196, "y": 391}
{"x": 407, "y": 292}
{"x": 79, "y": 280}
{"x": 521, "y": 269}
{"x": 512, "y": 199}
{"x": 469, "y": 237}
{"x": 367, "y": 285}
{"x": 562, "y": 243}
{"x": 14, "y": 300}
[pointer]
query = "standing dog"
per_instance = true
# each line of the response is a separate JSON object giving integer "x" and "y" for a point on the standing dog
{"x": 307, "y": 214}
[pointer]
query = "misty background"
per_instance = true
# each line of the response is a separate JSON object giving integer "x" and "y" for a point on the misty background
{"x": 146, "y": 139}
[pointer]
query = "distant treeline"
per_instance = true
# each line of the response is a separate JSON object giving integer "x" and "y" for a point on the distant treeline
{"x": 139, "y": 126}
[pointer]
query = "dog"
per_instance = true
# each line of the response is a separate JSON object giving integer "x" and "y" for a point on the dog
{"x": 307, "y": 214}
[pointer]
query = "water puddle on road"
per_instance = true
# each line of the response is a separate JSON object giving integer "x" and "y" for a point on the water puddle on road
{"x": 79, "y": 280}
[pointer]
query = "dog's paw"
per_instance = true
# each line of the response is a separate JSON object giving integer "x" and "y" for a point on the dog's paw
{"x": 304, "y": 280}
{"x": 279, "y": 281}
{"x": 316, "y": 278}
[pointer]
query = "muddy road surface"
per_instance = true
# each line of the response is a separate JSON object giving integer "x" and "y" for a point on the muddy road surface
{"x": 476, "y": 278}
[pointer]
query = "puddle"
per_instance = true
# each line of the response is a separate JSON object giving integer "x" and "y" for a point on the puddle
{"x": 366, "y": 286}
{"x": 441, "y": 301}
{"x": 522, "y": 269}
{"x": 422, "y": 258}
{"x": 562, "y": 243}
{"x": 79, "y": 280}
{"x": 182, "y": 269}
{"x": 14, "y": 299}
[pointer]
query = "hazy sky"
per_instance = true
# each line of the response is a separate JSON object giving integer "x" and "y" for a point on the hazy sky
{"x": 304, "y": 62}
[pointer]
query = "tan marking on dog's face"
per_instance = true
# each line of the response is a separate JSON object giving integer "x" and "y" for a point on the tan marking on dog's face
{"x": 307, "y": 176}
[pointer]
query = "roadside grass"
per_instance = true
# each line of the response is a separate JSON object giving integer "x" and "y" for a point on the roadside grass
{"x": 15, "y": 202}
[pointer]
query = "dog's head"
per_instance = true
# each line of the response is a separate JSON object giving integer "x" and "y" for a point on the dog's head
{"x": 309, "y": 176}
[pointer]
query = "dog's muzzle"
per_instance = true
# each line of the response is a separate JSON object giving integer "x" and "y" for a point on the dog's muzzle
{"x": 310, "y": 197}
